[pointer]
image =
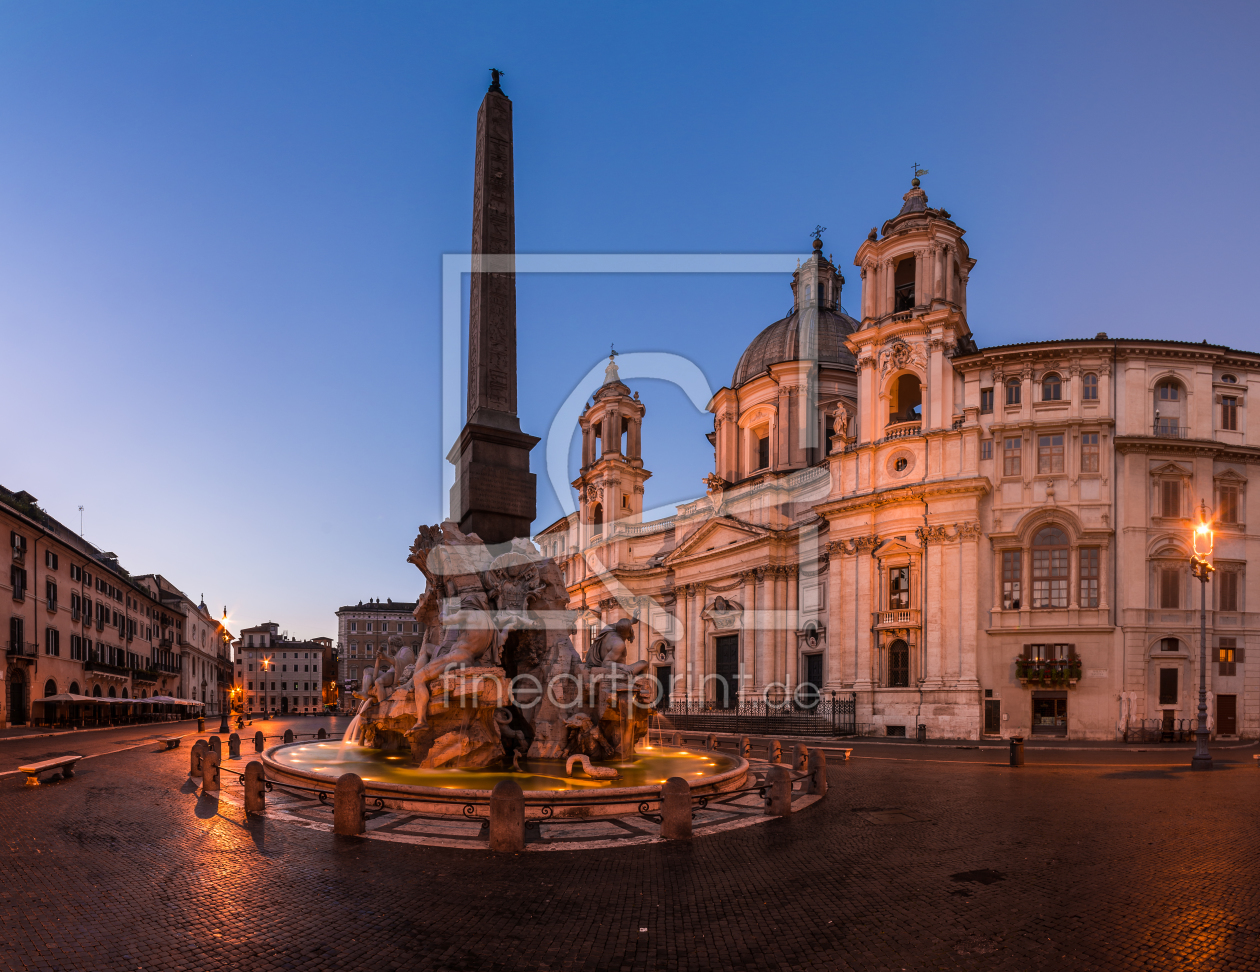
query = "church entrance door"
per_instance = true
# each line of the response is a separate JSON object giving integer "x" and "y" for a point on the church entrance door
{"x": 813, "y": 680}
{"x": 727, "y": 670}
{"x": 664, "y": 675}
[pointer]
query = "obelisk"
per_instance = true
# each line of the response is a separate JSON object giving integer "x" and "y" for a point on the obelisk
{"x": 495, "y": 494}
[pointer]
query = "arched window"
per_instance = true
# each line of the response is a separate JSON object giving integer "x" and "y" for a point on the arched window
{"x": 96, "y": 691}
{"x": 1169, "y": 391}
{"x": 74, "y": 688}
{"x": 1051, "y": 388}
{"x": 124, "y": 693}
{"x": 1169, "y": 398}
{"x": 1089, "y": 387}
{"x": 50, "y": 688}
{"x": 1013, "y": 391}
{"x": 899, "y": 664}
{"x": 113, "y": 693}
{"x": 907, "y": 400}
{"x": 597, "y": 518}
{"x": 1050, "y": 569}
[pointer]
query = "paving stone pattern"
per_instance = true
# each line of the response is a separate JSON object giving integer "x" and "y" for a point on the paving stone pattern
{"x": 907, "y": 864}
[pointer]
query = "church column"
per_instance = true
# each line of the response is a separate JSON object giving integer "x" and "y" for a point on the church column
{"x": 681, "y": 653}
{"x": 634, "y": 444}
{"x": 863, "y": 573}
{"x": 784, "y": 429}
{"x": 969, "y": 561}
{"x": 921, "y": 276}
{"x": 760, "y": 621}
{"x": 791, "y": 625}
{"x": 890, "y": 286}
{"x": 695, "y": 657}
{"x": 866, "y": 291}
{"x": 938, "y": 271}
{"x": 932, "y": 617}
{"x": 746, "y": 662}
{"x": 950, "y": 294}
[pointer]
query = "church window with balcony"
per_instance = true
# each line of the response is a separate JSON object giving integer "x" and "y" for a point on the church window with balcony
{"x": 1050, "y": 569}
{"x": 898, "y": 588}
{"x": 1089, "y": 452}
{"x": 1051, "y": 388}
{"x": 1168, "y": 404}
{"x": 597, "y": 519}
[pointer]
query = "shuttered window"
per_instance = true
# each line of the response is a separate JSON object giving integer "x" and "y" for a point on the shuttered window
{"x": 1228, "y": 590}
{"x": 1170, "y": 498}
{"x": 1228, "y": 655}
{"x": 1169, "y": 587}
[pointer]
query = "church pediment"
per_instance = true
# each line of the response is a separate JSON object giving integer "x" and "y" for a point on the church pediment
{"x": 892, "y": 548}
{"x": 717, "y": 533}
{"x": 1171, "y": 469}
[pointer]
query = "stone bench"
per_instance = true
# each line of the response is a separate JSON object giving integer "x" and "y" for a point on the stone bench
{"x": 63, "y": 763}
{"x": 171, "y": 741}
{"x": 844, "y": 754}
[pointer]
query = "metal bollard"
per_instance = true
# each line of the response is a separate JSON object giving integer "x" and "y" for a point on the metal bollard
{"x": 507, "y": 817}
{"x": 776, "y": 751}
{"x": 745, "y": 747}
{"x": 194, "y": 760}
{"x": 1017, "y": 750}
{"x": 260, "y": 741}
{"x": 234, "y": 746}
{"x": 778, "y": 791}
{"x": 710, "y": 741}
{"x": 210, "y": 774}
{"x": 288, "y": 735}
{"x": 322, "y": 734}
{"x": 800, "y": 758}
{"x": 818, "y": 772}
{"x": 255, "y": 789}
{"x": 676, "y": 809}
{"x": 349, "y": 806}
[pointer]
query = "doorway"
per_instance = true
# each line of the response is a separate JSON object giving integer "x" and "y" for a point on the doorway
{"x": 284, "y": 705}
{"x": 665, "y": 676}
{"x": 1049, "y": 715}
{"x": 813, "y": 680}
{"x": 1227, "y": 715}
{"x": 17, "y": 700}
{"x": 727, "y": 668}
{"x": 993, "y": 717}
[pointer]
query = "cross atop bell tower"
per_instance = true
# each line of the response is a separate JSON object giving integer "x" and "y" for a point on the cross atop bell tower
{"x": 494, "y": 494}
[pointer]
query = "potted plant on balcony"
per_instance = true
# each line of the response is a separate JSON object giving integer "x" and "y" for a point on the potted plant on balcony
{"x": 1023, "y": 669}
{"x": 1074, "y": 671}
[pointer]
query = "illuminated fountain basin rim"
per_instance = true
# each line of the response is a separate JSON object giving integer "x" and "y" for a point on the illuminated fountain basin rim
{"x": 440, "y": 801}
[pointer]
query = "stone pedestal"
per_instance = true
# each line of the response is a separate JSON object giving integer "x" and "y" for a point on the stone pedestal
{"x": 494, "y": 495}
{"x": 507, "y": 817}
{"x": 676, "y": 809}
{"x": 349, "y": 806}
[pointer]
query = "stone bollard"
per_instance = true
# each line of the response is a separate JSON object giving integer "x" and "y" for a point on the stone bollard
{"x": 234, "y": 746}
{"x": 507, "y": 817}
{"x": 201, "y": 723}
{"x": 255, "y": 789}
{"x": 676, "y": 809}
{"x": 349, "y": 806}
{"x": 676, "y": 740}
{"x": 210, "y": 774}
{"x": 710, "y": 741}
{"x": 745, "y": 747}
{"x": 800, "y": 758}
{"x": 778, "y": 791}
{"x": 1017, "y": 750}
{"x": 818, "y": 769}
{"x": 194, "y": 760}
{"x": 260, "y": 741}
{"x": 322, "y": 734}
{"x": 288, "y": 735}
{"x": 776, "y": 751}
{"x": 215, "y": 745}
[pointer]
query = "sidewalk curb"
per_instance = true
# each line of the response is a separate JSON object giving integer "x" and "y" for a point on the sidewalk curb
{"x": 75, "y": 732}
{"x": 852, "y": 742}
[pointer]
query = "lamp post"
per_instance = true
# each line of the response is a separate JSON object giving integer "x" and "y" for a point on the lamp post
{"x": 1201, "y": 567}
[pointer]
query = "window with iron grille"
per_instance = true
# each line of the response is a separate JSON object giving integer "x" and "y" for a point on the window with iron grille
{"x": 1011, "y": 578}
{"x": 1089, "y": 577}
{"x": 1050, "y": 569}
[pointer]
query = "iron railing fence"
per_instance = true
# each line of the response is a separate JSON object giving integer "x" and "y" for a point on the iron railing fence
{"x": 1159, "y": 731}
{"x": 836, "y": 716}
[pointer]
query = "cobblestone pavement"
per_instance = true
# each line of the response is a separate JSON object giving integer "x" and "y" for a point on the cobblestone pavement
{"x": 939, "y": 862}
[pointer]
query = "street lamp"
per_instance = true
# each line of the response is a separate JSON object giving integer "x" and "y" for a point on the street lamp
{"x": 1201, "y": 567}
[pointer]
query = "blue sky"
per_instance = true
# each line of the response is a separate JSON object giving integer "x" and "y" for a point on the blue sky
{"x": 221, "y": 231}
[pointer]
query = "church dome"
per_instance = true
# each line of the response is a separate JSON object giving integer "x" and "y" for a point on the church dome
{"x": 807, "y": 333}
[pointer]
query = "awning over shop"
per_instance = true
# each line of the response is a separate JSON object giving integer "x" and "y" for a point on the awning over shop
{"x": 167, "y": 700}
{"x": 67, "y": 697}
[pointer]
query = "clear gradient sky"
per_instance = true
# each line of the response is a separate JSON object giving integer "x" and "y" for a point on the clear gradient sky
{"x": 221, "y": 231}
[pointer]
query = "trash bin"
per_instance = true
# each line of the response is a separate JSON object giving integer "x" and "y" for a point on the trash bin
{"x": 921, "y": 734}
{"x": 1017, "y": 750}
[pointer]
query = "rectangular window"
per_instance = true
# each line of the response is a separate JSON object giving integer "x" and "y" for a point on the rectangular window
{"x": 1229, "y": 413}
{"x": 1012, "y": 392}
{"x": 1226, "y": 656}
{"x": 1089, "y": 387}
{"x": 17, "y": 581}
{"x": 1089, "y": 452}
{"x": 1011, "y": 577}
{"x": 1010, "y": 457}
{"x": 1170, "y": 498}
{"x": 369, "y": 627}
{"x": 50, "y": 594}
{"x": 1089, "y": 577}
{"x": 1050, "y": 454}
{"x": 250, "y": 685}
{"x": 50, "y": 560}
{"x": 763, "y": 452}
{"x": 986, "y": 449}
{"x": 354, "y": 627}
{"x": 1227, "y": 590}
{"x": 52, "y": 641}
{"x": 1168, "y": 686}
{"x": 899, "y": 588}
{"x": 986, "y": 399}
{"x": 1169, "y": 587}
{"x": 1050, "y": 577}
{"x": 1227, "y": 504}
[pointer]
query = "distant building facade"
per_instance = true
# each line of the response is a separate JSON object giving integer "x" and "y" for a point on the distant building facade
{"x": 274, "y": 673}
{"x": 365, "y": 627}
{"x": 988, "y": 542}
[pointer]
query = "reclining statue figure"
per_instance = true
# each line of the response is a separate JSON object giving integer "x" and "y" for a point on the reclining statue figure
{"x": 470, "y": 632}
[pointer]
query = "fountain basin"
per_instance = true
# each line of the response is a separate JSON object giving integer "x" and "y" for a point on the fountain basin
{"x": 549, "y": 793}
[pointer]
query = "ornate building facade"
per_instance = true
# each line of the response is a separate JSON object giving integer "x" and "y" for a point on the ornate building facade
{"x": 984, "y": 541}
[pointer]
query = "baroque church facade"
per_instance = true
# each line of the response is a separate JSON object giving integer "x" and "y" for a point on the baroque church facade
{"x": 987, "y": 542}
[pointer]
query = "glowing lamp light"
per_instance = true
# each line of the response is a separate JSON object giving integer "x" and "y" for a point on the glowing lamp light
{"x": 1203, "y": 540}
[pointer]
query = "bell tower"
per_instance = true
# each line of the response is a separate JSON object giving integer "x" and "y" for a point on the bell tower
{"x": 610, "y": 484}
